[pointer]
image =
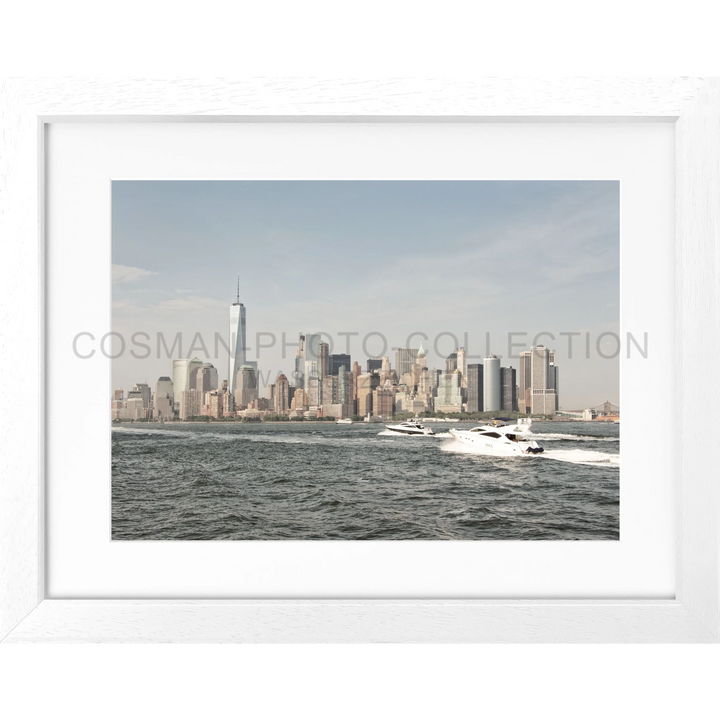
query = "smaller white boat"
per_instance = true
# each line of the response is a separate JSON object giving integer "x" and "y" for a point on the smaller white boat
{"x": 410, "y": 427}
{"x": 344, "y": 421}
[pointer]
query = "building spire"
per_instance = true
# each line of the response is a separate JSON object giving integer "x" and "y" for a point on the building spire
{"x": 238, "y": 291}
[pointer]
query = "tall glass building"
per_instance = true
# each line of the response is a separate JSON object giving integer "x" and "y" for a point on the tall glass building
{"x": 491, "y": 384}
{"x": 237, "y": 342}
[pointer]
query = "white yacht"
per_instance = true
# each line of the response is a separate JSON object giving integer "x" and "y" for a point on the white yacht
{"x": 410, "y": 427}
{"x": 344, "y": 421}
{"x": 499, "y": 438}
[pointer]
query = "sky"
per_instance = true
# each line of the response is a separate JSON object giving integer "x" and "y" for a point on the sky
{"x": 471, "y": 259}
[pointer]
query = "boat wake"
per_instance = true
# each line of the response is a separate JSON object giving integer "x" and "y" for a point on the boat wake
{"x": 583, "y": 457}
{"x": 390, "y": 433}
{"x": 563, "y": 436}
{"x": 577, "y": 457}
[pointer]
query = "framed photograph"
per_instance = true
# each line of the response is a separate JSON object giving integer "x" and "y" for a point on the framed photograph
{"x": 356, "y": 375}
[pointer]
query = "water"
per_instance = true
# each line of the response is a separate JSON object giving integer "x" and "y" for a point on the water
{"x": 322, "y": 481}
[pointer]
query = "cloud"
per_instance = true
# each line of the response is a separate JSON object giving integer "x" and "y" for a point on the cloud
{"x": 127, "y": 274}
{"x": 193, "y": 303}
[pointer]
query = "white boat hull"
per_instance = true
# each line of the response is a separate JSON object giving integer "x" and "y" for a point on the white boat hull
{"x": 410, "y": 433}
{"x": 499, "y": 447}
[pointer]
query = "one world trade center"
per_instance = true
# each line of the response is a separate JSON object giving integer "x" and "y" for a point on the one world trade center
{"x": 237, "y": 339}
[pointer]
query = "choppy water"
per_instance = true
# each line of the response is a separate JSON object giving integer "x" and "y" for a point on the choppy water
{"x": 322, "y": 481}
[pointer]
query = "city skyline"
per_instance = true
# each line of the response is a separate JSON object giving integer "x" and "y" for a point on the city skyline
{"x": 325, "y": 385}
{"x": 516, "y": 237}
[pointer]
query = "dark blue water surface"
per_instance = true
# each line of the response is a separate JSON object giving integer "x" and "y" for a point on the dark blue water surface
{"x": 322, "y": 481}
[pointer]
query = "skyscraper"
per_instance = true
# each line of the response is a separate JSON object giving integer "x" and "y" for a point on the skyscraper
{"x": 144, "y": 389}
{"x": 345, "y": 391}
{"x": 475, "y": 388}
{"x": 404, "y": 360}
{"x": 542, "y": 374}
{"x": 246, "y": 387}
{"x": 323, "y": 365}
{"x": 329, "y": 390}
{"x": 449, "y": 393}
{"x": 118, "y": 406}
{"x": 184, "y": 376}
{"x": 491, "y": 384}
{"x": 374, "y": 364}
{"x": 282, "y": 395}
{"x": 462, "y": 365}
{"x": 206, "y": 378}
{"x": 366, "y": 384}
{"x": 308, "y": 352}
{"x": 237, "y": 342}
{"x": 163, "y": 399}
{"x": 190, "y": 403}
{"x": 451, "y": 363}
{"x": 356, "y": 372}
{"x": 384, "y": 402}
{"x": 508, "y": 389}
{"x": 336, "y": 361}
{"x": 525, "y": 382}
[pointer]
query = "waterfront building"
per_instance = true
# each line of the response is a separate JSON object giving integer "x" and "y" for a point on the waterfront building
{"x": 384, "y": 402}
{"x": 215, "y": 404}
{"x": 404, "y": 360}
{"x": 402, "y": 399}
{"x": 282, "y": 395}
{"x": 245, "y": 387}
{"x": 190, "y": 403}
{"x": 449, "y": 393}
{"x": 162, "y": 407}
{"x": 117, "y": 407}
{"x": 134, "y": 407}
{"x": 508, "y": 389}
{"x": 164, "y": 387}
{"x": 271, "y": 394}
{"x": 237, "y": 342}
{"x": 417, "y": 406}
{"x": 491, "y": 384}
{"x": 228, "y": 401}
{"x": 299, "y": 400}
{"x": 144, "y": 391}
{"x": 334, "y": 410}
{"x": 475, "y": 388}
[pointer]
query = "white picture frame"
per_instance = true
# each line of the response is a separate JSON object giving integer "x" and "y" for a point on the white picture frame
{"x": 26, "y": 615}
